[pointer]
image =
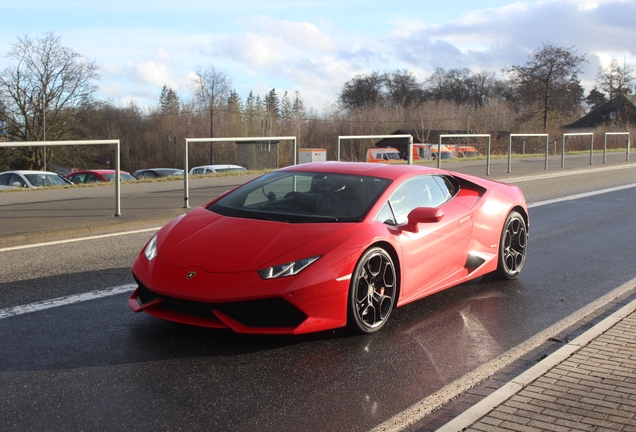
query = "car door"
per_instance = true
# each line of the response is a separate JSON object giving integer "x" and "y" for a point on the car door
{"x": 432, "y": 251}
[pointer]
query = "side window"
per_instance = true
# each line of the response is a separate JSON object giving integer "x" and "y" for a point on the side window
{"x": 90, "y": 178}
{"x": 4, "y": 179}
{"x": 420, "y": 191}
{"x": 77, "y": 179}
{"x": 197, "y": 171}
{"x": 448, "y": 185}
{"x": 17, "y": 179}
{"x": 386, "y": 215}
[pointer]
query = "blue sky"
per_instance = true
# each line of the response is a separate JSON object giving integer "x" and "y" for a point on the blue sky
{"x": 313, "y": 46}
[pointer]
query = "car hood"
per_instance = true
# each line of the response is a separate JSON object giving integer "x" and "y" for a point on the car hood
{"x": 222, "y": 244}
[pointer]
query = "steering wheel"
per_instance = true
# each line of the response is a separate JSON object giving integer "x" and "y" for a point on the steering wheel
{"x": 304, "y": 203}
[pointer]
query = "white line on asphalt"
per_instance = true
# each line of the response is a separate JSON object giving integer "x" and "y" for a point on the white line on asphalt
{"x": 4, "y": 313}
{"x": 79, "y": 239}
{"x": 581, "y": 195}
{"x": 566, "y": 173}
{"x": 427, "y": 405}
{"x": 512, "y": 180}
{"x": 483, "y": 407}
{"x": 66, "y": 300}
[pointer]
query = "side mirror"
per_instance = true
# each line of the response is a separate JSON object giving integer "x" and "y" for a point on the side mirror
{"x": 424, "y": 215}
{"x": 16, "y": 184}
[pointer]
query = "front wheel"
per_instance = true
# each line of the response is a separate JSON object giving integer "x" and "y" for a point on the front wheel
{"x": 512, "y": 246}
{"x": 372, "y": 291}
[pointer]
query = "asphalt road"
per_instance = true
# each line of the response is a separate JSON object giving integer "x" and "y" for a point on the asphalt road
{"x": 94, "y": 365}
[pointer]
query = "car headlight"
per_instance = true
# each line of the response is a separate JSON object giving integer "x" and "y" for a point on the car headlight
{"x": 288, "y": 269}
{"x": 151, "y": 248}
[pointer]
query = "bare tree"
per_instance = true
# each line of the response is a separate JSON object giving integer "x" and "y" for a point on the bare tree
{"x": 211, "y": 88}
{"x": 615, "y": 80}
{"x": 549, "y": 82}
{"x": 48, "y": 90}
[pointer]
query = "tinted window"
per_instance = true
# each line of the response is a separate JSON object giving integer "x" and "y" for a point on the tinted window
{"x": 303, "y": 197}
{"x": 448, "y": 185}
{"x": 77, "y": 178}
{"x": 17, "y": 179}
{"x": 416, "y": 192}
{"x": 4, "y": 179}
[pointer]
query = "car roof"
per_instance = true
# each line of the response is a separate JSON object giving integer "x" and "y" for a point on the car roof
{"x": 98, "y": 171}
{"x": 218, "y": 166}
{"x": 28, "y": 172}
{"x": 390, "y": 171}
{"x": 160, "y": 169}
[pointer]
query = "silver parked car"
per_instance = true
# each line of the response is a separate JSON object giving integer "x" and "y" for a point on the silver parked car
{"x": 212, "y": 169}
{"x": 31, "y": 179}
{"x": 152, "y": 173}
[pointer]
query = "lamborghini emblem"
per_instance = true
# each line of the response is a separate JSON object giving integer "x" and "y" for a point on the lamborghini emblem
{"x": 190, "y": 275}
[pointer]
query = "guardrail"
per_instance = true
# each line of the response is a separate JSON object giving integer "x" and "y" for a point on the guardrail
{"x": 80, "y": 142}
{"x": 605, "y": 144}
{"x": 565, "y": 135}
{"x": 439, "y": 147}
{"x": 409, "y": 157}
{"x": 186, "y": 196}
{"x": 526, "y": 135}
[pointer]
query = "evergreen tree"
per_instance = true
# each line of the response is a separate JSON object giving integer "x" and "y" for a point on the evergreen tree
{"x": 287, "y": 111}
{"x": 272, "y": 104}
{"x": 234, "y": 103}
{"x": 299, "y": 107}
{"x": 169, "y": 101}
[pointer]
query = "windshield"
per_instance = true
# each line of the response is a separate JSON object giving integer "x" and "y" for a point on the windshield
{"x": 168, "y": 173}
{"x": 122, "y": 177}
{"x": 39, "y": 180}
{"x": 303, "y": 197}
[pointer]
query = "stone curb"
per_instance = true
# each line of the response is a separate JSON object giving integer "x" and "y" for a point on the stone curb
{"x": 485, "y": 406}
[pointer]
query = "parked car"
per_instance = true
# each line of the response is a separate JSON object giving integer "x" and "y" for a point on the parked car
{"x": 31, "y": 179}
{"x": 97, "y": 176}
{"x": 152, "y": 173}
{"x": 212, "y": 169}
{"x": 323, "y": 245}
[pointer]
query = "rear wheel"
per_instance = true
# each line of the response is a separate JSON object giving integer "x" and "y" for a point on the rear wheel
{"x": 372, "y": 291}
{"x": 512, "y": 246}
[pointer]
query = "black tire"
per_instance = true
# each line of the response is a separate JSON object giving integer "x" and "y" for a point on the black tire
{"x": 512, "y": 246}
{"x": 372, "y": 292}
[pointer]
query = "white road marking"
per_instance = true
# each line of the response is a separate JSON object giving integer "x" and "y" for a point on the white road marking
{"x": 581, "y": 195}
{"x": 511, "y": 180}
{"x": 34, "y": 307}
{"x": 79, "y": 239}
{"x": 66, "y": 300}
{"x": 567, "y": 173}
{"x": 417, "y": 411}
{"x": 421, "y": 409}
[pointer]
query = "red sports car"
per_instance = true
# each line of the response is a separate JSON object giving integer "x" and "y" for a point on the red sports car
{"x": 330, "y": 244}
{"x": 97, "y": 176}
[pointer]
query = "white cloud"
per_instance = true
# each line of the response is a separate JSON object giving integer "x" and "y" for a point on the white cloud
{"x": 318, "y": 54}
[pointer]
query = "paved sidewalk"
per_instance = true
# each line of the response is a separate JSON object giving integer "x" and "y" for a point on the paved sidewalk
{"x": 587, "y": 385}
